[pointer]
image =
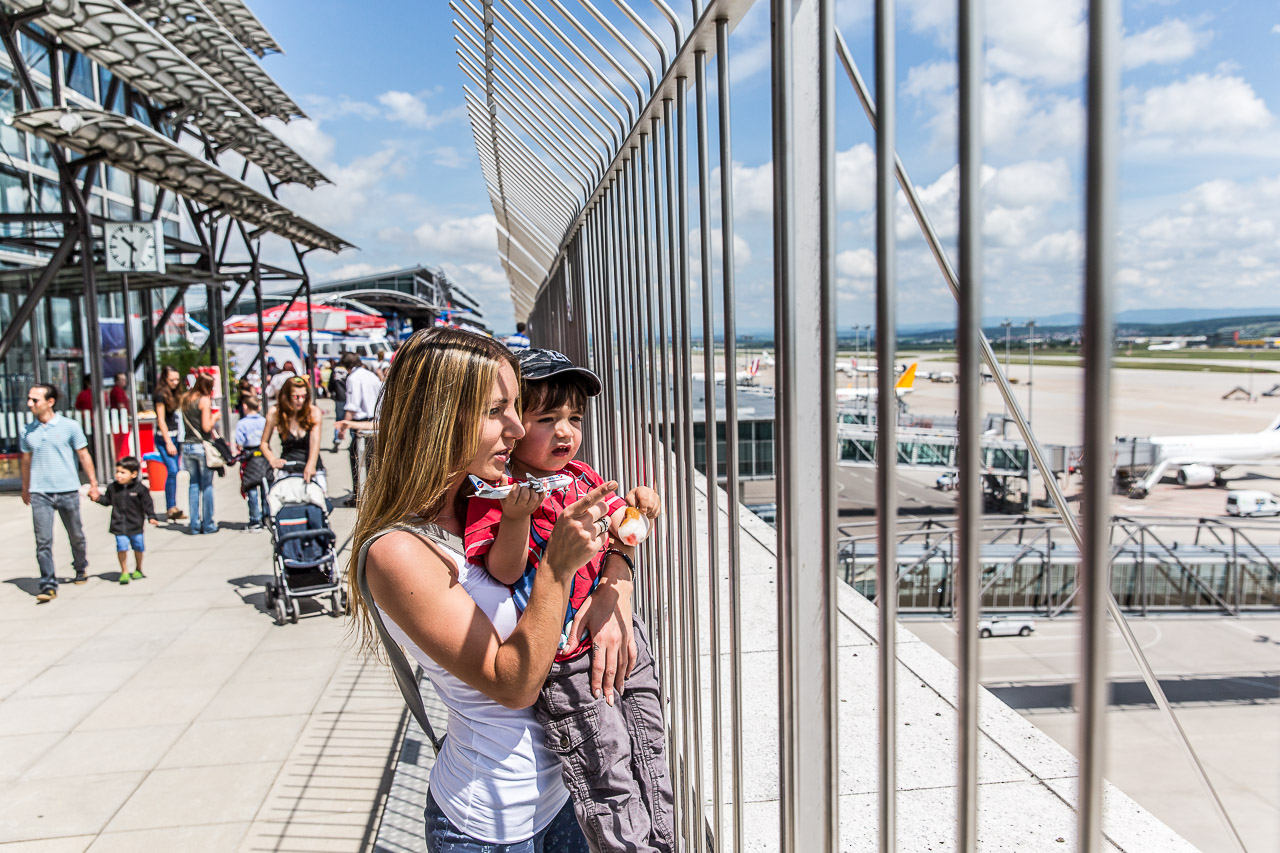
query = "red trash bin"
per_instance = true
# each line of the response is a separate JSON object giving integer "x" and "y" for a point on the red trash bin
{"x": 157, "y": 474}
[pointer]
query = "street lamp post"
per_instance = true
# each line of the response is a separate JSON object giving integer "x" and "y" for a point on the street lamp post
{"x": 1031, "y": 366}
{"x": 1006, "y": 325}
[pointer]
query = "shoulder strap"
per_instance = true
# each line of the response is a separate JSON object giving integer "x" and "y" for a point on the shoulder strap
{"x": 406, "y": 678}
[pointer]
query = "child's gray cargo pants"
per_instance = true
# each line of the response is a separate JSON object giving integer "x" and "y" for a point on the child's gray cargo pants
{"x": 614, "y": 759}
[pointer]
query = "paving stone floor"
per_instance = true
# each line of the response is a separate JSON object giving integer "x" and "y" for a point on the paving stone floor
{"x": 171, "y": 713}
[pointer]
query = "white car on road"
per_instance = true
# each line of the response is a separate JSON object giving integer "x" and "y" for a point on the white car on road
{"x": 999, "y": 626}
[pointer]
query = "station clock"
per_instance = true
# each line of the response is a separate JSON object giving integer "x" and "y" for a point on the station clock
{"x": 134, "y": 246}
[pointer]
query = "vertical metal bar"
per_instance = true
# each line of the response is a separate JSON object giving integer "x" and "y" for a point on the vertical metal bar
{"x": 805, "y": 190}
{"x": 101, "y": 443}
{"x": 730, "y": 418}
{"x": 780, "y": 12}
{"x": 886, "y": 423}
{"x": 1095, "y": 570}
{"x": 968, "y": 568}
{"x": 135, "y": 440}
{"x": 678, "y": 226}
{"x": 711, "y": 451}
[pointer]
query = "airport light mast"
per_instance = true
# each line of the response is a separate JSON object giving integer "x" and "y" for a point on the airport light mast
{"x": 1006, "y": 325}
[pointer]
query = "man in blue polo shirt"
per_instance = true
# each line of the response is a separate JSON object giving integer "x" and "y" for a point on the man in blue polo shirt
{"x": 51, "y": 445}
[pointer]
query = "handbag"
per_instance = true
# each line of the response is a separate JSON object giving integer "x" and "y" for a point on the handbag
{"x": 212, "y": 458}
{"x": 406, "y": 678}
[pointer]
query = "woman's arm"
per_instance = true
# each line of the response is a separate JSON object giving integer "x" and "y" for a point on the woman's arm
{"x": 265, "y": 443}
{"x": 163, "y": 429}
{"x": 419, "y": 590}
{"x": 313, "y": 445}
{"x": 207, "y": 420}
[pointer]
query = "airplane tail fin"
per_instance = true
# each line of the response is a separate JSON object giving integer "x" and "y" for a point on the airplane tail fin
{"x": 1275, "y": 425}
{"x": 908, "y": 378}
{"x": 754, "y": 367}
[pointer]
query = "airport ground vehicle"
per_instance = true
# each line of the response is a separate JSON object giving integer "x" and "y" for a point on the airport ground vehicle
{"x": 1247, "y": 503}
{"x": 1001, "y": 626}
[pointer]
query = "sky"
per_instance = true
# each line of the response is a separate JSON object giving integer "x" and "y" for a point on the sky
{"x": 1199, "y": 171}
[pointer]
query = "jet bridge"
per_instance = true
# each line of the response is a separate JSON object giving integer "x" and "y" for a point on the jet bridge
{"x": 934, "y": 449}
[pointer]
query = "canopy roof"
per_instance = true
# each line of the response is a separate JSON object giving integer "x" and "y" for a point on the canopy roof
{"x": 139, "y": 150}
{"x": 329, "y": 318}
{"x": 194, "y": 29}
{"x": 245, "y": 26}
{"x": 115, "y": 37}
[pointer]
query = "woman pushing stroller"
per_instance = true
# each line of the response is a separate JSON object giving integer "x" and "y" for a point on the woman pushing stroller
{"x": 297, "y": 419}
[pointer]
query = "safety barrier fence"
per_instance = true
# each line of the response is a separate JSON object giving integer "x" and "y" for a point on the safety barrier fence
{"x": 1164, "y": 565}
{"x": 606, "y": 145}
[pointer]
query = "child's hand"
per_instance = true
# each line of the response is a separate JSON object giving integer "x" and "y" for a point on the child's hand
{"x": 154, "y": 522}
{"x": 521, "y": 502}
{"x": 646, "y": 500}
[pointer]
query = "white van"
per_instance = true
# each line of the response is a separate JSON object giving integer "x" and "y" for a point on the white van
{"x": 1250, "y": 503}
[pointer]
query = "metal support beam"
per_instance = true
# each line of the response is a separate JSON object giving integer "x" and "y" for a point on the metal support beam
{"x": 149, "y": 344}
{"x": 37, "y": 292}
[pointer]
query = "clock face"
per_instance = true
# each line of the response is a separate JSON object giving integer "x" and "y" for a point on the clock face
{"x": 133, "y": 247}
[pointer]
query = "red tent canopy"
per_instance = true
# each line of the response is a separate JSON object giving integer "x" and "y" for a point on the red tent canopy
{"x": 328, "y": 318}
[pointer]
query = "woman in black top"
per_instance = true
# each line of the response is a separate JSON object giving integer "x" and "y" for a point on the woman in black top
{"x": 297, "y": 419}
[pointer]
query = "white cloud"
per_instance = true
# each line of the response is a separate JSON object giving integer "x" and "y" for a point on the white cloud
{"x": 469, "y": 235}
{"x": 753, "y": 185}
{"x": 741, "y": 248}
{"x": 412, "y": 110}
{"x": 1219, "y": 234}
{"x": 355, "y": 270}
{"x": 856, "y": 263}
{"x": 1047, "y": 41}
{"x": 1202, "y": 104}
{"x": 1170, "y": 41}
{"x": 448, "y": 157}
{"x": 1061, "y": 247}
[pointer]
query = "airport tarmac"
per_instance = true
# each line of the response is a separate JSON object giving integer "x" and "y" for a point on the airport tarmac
{"x": 1222, "y": 676}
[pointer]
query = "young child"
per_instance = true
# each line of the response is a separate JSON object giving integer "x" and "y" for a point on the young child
{"x": 246, "y": 444}
{"x": 617, "y": 778}
{"x": 131, "y": 509}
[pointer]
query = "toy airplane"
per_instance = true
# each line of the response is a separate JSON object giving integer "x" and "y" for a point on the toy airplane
{"x": 553, "y": 483}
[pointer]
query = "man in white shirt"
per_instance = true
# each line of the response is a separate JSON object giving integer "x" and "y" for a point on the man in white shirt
{"x": 519, "y": 342}
{"x": 364, "y": 389}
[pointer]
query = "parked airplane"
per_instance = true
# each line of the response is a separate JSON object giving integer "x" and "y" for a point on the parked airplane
{"x": 904, "y": 385}
{"x": 1202, "y": 459}
{"x": 744, "y": 377}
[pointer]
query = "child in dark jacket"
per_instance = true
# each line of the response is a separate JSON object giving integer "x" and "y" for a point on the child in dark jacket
{"x": 131, "y": 510}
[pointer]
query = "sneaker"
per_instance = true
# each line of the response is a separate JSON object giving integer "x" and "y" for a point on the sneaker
{"x": 124, "y": 578}
{"x": 46, "y": 596}
{"x": 213, "y": 529}
{"x": 80, "y": 578}
{"x": 137, "y": 575}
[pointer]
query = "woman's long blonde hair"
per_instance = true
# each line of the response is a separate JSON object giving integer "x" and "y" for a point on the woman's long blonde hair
{"x": 432, "y": 411}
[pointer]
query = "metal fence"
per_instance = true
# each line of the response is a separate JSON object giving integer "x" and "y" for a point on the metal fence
{"x": 600, "y": 162}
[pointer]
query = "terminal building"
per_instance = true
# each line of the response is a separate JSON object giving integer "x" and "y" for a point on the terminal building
{"x": 137, "y": 169}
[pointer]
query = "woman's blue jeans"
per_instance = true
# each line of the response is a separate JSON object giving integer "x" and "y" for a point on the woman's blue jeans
{"x": 200, "y": 496}
{"x": 172, "y": 466}
{"x": 562, "y": 835}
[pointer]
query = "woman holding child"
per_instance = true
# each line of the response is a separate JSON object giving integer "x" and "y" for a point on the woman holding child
{"x": 500, "y": 783}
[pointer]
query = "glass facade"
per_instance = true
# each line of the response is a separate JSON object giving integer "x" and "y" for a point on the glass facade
{"x": 755, "y": 448}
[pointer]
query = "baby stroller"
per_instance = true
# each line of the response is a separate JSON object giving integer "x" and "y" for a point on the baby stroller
{"x": 304, "y": 560}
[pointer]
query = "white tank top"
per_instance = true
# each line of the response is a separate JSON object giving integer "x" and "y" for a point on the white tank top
{"x": 494, "y": 779}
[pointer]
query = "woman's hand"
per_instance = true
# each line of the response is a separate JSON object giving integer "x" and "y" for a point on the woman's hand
{"x": 308, "y": 472}
{"x": 606, "y": 617}
{"x": 577, "y": 536}
{"x": 275, "y": 462}
{"x": 169, "y": 448}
